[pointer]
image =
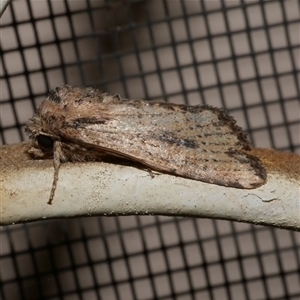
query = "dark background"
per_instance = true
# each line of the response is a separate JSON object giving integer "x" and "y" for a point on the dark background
{"x": 240, "y": 55}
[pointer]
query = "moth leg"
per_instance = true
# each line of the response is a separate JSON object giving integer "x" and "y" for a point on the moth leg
{"x": 152, "y": 173}
{"x": 57, "y": 154}
{"x": 118, "y": 96}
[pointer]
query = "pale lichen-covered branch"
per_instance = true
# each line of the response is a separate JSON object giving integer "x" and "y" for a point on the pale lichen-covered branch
{"x": 110, "y": 189}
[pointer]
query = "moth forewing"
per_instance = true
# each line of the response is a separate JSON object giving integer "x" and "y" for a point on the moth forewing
{"x": 197, "y": 142}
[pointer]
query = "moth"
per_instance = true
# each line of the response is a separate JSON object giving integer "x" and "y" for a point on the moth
{"x": 197, "y": 142}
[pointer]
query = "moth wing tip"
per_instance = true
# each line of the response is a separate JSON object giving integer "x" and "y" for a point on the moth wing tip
{"x": 254, "y": 183}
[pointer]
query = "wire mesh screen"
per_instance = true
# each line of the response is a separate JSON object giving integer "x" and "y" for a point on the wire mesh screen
{"x": 240, "y": 55}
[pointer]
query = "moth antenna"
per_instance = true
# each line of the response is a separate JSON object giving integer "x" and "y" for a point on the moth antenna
{"x": 53, "y": 187}
{"x": 56, "y": 163}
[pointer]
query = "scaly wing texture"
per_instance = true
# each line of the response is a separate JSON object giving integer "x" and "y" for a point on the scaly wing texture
{"x": 201, "y": 142}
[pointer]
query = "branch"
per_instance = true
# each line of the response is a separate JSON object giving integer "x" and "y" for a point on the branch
{"x": 109, "y": 189}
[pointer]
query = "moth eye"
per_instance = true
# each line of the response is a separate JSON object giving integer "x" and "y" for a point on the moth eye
{"x": 45, "y": 141}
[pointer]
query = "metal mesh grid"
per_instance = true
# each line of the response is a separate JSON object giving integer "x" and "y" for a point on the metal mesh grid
{"x": 241, "y": 55}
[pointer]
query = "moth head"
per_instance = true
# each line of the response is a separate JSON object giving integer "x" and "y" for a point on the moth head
{"x": 43, "y": 143}
{"x": 41, "y": 128}
{"x": 43, "y": 146}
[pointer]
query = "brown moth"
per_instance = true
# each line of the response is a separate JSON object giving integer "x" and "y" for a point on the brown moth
{"x": 197, "y": 142}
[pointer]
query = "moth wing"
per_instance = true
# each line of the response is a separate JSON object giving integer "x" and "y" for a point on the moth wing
{"x": 200, "y": 143}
